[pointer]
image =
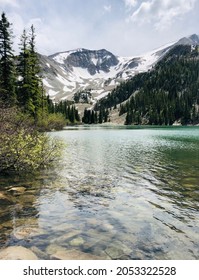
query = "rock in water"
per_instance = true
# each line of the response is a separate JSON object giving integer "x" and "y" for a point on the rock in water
{"x": 5, "y": 199}
{"x": 77, "y": 241}
{"x": 17, "y": 253}
{"x": 17, "y": 190}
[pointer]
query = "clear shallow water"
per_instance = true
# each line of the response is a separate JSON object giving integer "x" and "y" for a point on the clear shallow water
{"x": 119, "y": 194}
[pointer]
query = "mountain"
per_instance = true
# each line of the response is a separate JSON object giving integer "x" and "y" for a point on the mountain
{"x": 166, "y": 95}
{"x": 95, "y": 73}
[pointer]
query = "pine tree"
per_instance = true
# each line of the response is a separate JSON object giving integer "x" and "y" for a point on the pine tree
{"x": 36, "y": 83}
{"x": 7, "y": 68}
{"x": 30, "y": 91}
{"x": 24, "y": 89}
{"x": 100, "y": 116}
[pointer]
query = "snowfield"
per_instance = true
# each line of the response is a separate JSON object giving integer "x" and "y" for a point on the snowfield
{"x": 108, "y": 71}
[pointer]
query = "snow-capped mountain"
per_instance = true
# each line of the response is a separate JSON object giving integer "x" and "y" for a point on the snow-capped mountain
{"x": 96, "y": 71}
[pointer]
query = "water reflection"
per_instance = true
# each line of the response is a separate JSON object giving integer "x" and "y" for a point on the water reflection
{"x": 120, "y": 194}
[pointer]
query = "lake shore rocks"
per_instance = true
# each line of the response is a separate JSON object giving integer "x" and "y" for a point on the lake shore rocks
{"x": 40, "y": 254}
{"x": 27, "y": 232}
{"x": 5, "y": 199}
{"x": 74, "y": 255}
{"x": 17, "y": 190}
{"x": 17, "y": 253}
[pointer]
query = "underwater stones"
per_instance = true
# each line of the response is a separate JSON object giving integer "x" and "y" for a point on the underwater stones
{"x": 17, "y": 190}
{"x": 17, "y": 253}
{"x": 5, "y": 199}
{"x": 77, "y": 241}
{"x": 57, "y": 252}
{"x": 74, "y": 255}
{"x": 27, "y": 232}
{"x": 54, "y": 248}
{"x": 118, "y": 250}
{"x": 108, "y": 227}
{"x": 66, "y": 237}
{"x": 40, "y": 254}
{"x": 27, "y": 199}
{"x": 114, "y": 253}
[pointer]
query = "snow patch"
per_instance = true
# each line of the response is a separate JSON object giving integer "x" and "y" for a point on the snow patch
{"x": 102, "y": 95}
{"x": 45, "y": 82}
{"x": 94, "y": 60}
{"x": 62, "y": 80}
{"x": 52, "y": 92}
{"x": 61, "y": 57}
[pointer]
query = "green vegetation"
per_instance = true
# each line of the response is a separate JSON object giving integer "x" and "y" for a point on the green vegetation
{"x": 67, "y": 109}
{"x": 94, "y": 117}
{"x": 24, "y": 107}
{"x": 167, "y": 93}
{"x": 22, "y": 147}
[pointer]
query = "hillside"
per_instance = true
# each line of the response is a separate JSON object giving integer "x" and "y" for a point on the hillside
{"x": 89, "y": 75}
{"x": 166, "y": 94}
{"x": 92, "y": 73}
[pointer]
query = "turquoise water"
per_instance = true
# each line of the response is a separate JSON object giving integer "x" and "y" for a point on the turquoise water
{"x": 117, "y": 194}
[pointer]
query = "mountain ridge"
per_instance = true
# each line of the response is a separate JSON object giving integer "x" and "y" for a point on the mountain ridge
{"x": 96, "y": 71}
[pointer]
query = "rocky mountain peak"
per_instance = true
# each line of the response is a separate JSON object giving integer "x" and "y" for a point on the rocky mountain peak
{"x": 92, "y": 60}
{"x": 191, "y": 40}
{"x": 97, "y": 71}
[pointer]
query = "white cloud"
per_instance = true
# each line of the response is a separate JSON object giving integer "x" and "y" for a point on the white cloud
{"x": 161, "y": 13}
{"x": 12, "y": 3}
{"x": 130, "y": 3}
{"x": 107, "y": 8}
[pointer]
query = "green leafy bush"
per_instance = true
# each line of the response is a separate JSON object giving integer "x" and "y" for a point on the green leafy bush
{"x": 22, "y": 147}
{"x": 49, "y": 122}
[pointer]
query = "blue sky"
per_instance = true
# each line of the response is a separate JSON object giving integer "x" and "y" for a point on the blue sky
{"x": 124, "y": 27}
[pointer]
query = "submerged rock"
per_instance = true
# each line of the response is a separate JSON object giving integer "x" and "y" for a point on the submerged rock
{"x": 77, "y": 241}
{"x": 66, "y": 237}
{"x": 17, "y": 190}
{"x": 114, "y": 253}
{"x": 57, "y": 252}
{"x": 17, "y": 253}
{"x": 5, "y": 199}
{"x": 74, "y": 255}
{"x": 118, "y": 250}
{"x": 26, "y": 232}
{"x": 40, "y": 254}
{"x": 53, "y": 248}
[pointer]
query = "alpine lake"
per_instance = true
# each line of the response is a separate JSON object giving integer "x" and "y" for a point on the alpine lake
{"x": 118, "y": 193}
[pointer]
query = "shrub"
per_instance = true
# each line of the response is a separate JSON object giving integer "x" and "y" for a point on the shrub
{"x": 22, "y": 147}
{"x": 51, "y": 122}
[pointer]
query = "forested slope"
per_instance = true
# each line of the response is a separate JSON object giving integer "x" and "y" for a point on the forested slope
{"x": 167, "y": 93}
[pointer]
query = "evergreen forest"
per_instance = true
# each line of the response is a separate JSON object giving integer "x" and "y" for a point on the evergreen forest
{"x": 167, "y": 93}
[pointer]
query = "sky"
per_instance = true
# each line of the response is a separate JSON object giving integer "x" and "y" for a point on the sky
{"x": 123, "y": 27}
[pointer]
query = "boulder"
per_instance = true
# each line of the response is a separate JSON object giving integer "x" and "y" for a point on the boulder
{"x": 17, "y": 253}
